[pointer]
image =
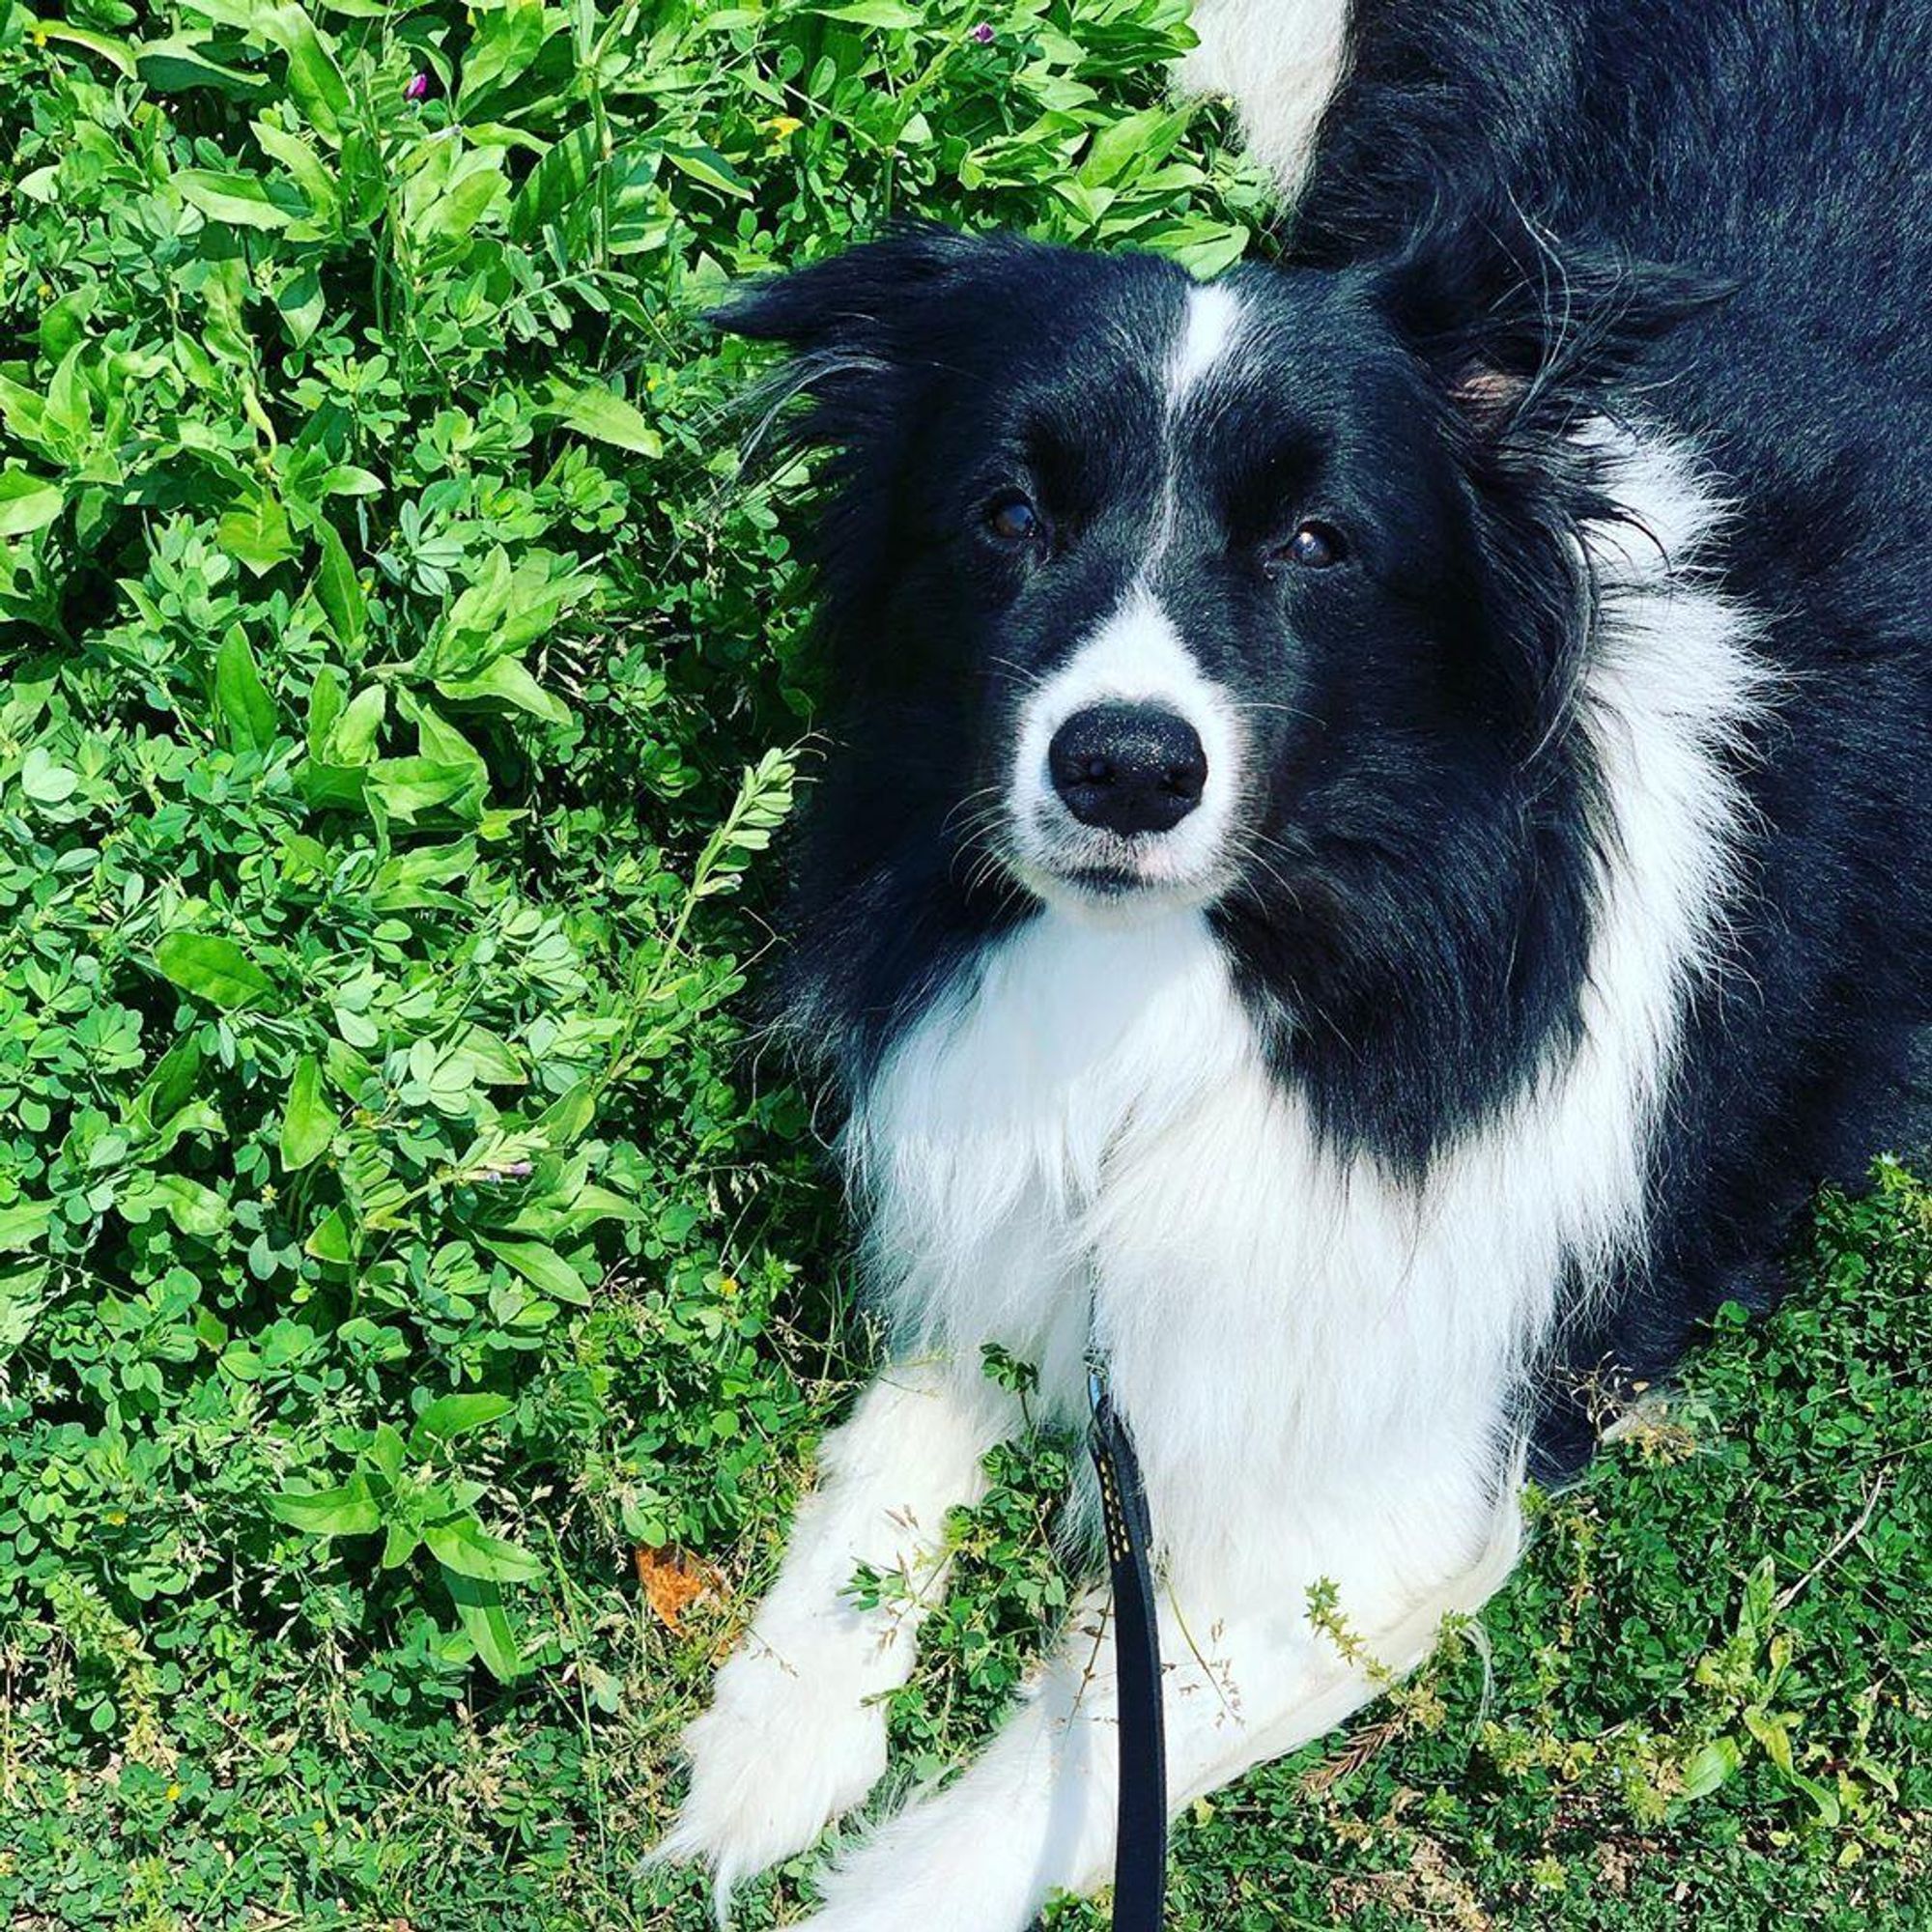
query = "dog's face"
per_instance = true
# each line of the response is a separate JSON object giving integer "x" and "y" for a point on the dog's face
{"x": 1212, "y": 550}
{"x": 1147, "y": 592}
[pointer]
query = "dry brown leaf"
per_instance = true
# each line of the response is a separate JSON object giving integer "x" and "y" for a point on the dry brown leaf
{"x": 673, "y": 1580}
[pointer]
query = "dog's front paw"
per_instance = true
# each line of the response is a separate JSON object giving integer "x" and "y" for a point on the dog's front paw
{"x": 788, "y": 1745}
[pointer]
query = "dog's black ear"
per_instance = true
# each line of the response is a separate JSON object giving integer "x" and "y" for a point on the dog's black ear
{"x": 1522, "y": 342}
{"x": 862, "y": 326}
{"x": 1516, "y": 327}
{"x": 855, "y": 300}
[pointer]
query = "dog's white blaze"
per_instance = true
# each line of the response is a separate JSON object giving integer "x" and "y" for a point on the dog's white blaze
{"x": 1279, "y": 62}
{"x": 1136, "y": 656}
{"x": 1208, "y": 329}
{"x": 1322, "y": 1369}
{"x": 1210, "y": 323}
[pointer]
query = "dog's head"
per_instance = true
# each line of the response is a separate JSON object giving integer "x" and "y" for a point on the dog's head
{"x": 1144, "y": 591}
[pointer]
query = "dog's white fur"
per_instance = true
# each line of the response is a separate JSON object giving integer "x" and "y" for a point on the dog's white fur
{"x": 1280, "y": 61}
{"x": 1322, "y": 1367}
{"x": 1136, "y": 656}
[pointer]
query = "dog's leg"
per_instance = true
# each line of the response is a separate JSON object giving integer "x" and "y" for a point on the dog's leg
{"x": 796, "y": 1732}
{"x": 1279, "y": 61}
{"x": 1035, "y": 1814}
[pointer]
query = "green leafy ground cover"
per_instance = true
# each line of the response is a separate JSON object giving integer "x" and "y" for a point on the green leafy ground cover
{"x": 398, "y": 1229}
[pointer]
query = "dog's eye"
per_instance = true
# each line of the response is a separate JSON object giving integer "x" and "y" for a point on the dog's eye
{"x": 1313, "y": 546}
{"x": 1011, "y": 517}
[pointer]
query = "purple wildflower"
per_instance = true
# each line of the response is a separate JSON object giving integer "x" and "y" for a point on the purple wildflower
{"x": 417, "y": 89}
{"x": 984, "y": 33}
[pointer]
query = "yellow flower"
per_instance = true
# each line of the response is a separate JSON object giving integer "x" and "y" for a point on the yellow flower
{"x": 783, "y": 126}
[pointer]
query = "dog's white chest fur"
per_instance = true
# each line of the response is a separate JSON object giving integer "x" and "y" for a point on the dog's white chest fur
{"x": 1085, "y": 1139}
{"x": 997, "y": 1149}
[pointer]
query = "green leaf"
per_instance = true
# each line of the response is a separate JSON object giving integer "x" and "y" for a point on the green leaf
{"x": 315, "y": 80}
{"x": 241, "y": 696}
{"x": 492, "y": 1059}
{"x": 453, "y": 214}
{"x": 301, "y": 299}
{"x": 214, "y": 969}
{"x": 557, "y": 183}
{"x": 507, "y": 681}
{"x": 325, "y": 698}
{"x": 45, "y": 782}
{"x": 241, "y": 201}
{"x": 22, "y": 1298}
{"x": 479, "y": 1607}
{"x": 452, "y": 1415}
{"x": 64, "y": 325}
{"x": 1760, "y": 1592}
{"x": 166, "y": 1090}
{"x": 178, "y": 64}
{"x": 349, "y": 1511}
{"x": 568, "y": 1118}
{"x": 116, "y": 53}
{"x": 27, "y": 503}
{"x": 25, "y": 1224}
{"x": 467, "y": 1548}
{"x": 387, "y": 1451}
{"x": 1712, "y": 1765}
{"x": 410, "y": 787}
{"x": 353, "y": 741}
{"x": 194, "y": 1209}
{"x": 256, "y": 533}
{"x": 893, "y": 14}
{"x": 506, "y": 41}
{"x": 707, "y": 165}
{"x": 332, "y": 787}
{"x": 331, "y": 1241}
{"x": 606, "y": 417}
{"x": 338, "y": 591}
{"x": 542, "y": 1267}
{"x": 308, "y": 1120}
{"x": 441, "y": 743}
{"x": 24, "y": 414}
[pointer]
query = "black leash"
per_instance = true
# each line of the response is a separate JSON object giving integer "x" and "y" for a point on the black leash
{"x": 1140, "y": 1843}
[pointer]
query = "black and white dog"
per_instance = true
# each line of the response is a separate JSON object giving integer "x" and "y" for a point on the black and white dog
{"x": 1377, "y": 848}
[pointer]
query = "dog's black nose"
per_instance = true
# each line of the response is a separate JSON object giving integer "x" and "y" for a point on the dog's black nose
{"x": 1128, "y": 767}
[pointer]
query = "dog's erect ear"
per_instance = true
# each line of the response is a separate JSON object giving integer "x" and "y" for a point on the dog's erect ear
{"x": 1513, "y": 327}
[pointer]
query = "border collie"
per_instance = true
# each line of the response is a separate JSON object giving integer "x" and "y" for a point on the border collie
{"x": 1375, "y": 853}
